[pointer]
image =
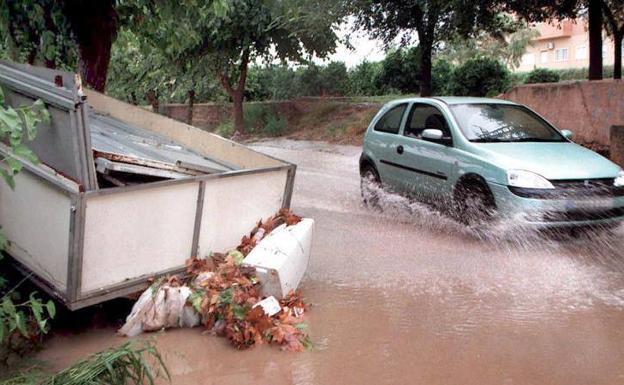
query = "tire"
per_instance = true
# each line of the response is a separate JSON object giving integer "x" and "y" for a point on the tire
{"x": 370, "y": 187}
{"x": 474, "y": 204}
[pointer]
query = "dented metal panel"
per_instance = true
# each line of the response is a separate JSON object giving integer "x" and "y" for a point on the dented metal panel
{"x": 129, "y": 144}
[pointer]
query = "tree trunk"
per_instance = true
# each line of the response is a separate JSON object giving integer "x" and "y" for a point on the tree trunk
{"x": 94, "y": 23}
{"x": 237, "y": 111}
{"x": 425, "y": 69}
{"x": 617, "y": 60}
{"x": 191, "y": 98}
{"x": 152, "y": 98}
{"x": 237, "y": 94}
{"x": 595, "y": 40}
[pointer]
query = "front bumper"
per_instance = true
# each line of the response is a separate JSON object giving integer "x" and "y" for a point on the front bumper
{"x": 558, "y": 211}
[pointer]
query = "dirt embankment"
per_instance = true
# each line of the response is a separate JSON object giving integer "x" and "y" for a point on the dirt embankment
{"x": 336, "y": 120}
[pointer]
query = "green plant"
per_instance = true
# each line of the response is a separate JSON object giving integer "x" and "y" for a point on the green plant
{"x": 275, "y": 125}
{"x": 124, "y": 365}
{"x": 225, "y": 129}
{"x": 542, "y": 75}
{"x": 480, "y": 76}
{"x": 441, "y": 77}
{"x": 255, "y": 116}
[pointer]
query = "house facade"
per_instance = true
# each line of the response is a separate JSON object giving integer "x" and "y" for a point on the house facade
{"x": 563, "y": 45}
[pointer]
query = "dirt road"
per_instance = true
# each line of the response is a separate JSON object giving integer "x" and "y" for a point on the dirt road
{"x": 408, "y": 297}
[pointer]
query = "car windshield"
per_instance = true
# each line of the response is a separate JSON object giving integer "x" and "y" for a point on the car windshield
{"x": 487, "y": 123}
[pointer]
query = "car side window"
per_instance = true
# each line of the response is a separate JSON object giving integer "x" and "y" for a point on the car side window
{"x": 422, "y": 117}
{"x": 390, "y": 122}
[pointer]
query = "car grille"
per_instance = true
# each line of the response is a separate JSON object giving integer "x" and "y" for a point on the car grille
{"x": 575, "y": 188}
{"x": 582, "y": 215}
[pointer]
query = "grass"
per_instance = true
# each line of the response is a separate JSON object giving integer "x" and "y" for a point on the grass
{"x": 126, "y": 365}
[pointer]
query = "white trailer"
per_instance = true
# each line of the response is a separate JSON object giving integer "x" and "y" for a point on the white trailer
{"x": 85, "y": 243}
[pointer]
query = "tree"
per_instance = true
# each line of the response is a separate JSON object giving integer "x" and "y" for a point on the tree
{"x": 94, "y": 27}
{"x": 49, "y": 32}
{"x": 614, "y": 13}
{"x": 433, "y": 21}
{"x": 400, "y": 70}
{"x": 595, "y": 40}
{"x": 227, "y": 36}
{"x": 508, "y": 49}
{"x": 37, "y": 32}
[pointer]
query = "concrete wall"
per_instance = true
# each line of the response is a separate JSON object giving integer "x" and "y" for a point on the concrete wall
{"x": 587, "y": 108}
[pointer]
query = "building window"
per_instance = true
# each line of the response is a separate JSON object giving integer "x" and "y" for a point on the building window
{"x": 561, "y": 54}
{"x": 581, "y": 53}
{"x": 544, "y": 57}
{"x": 528, "y": 59}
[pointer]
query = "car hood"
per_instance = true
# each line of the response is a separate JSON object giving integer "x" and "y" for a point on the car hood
{"x": 560, "y": 160}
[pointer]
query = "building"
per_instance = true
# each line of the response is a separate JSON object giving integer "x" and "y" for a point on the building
{"x": 563, "y": 45}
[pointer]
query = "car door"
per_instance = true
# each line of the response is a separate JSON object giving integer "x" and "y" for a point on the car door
{"x": 383, "y": 143}
{"x": 427, "y": 164}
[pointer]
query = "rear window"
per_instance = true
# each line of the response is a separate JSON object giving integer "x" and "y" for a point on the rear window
{"x": 390, "y": 122}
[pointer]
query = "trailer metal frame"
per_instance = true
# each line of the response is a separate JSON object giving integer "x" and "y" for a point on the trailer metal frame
{"x": 25, "y": 81}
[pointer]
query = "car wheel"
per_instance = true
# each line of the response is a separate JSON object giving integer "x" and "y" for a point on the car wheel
{"x": 370, "y": 188}
{"x": 474, "y": 204}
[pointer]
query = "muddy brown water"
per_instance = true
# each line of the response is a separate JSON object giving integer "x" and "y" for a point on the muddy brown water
{"x": 409, "y": 297}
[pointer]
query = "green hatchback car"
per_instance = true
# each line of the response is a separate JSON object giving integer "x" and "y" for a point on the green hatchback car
{"x": 488, "y": 158}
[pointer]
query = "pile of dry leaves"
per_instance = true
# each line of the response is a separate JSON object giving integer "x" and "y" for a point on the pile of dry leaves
{"x": 226, "y": 295}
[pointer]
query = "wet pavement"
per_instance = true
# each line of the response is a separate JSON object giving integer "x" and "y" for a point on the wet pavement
{"x": 410, "y": 297}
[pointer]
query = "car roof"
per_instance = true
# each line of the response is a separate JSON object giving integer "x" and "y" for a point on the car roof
{"x": 451, "y": 100}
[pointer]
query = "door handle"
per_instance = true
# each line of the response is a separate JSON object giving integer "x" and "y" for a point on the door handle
{"x": 400, "y": 149}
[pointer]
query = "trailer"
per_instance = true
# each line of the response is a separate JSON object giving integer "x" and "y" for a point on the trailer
{"x": 121, "y": 194}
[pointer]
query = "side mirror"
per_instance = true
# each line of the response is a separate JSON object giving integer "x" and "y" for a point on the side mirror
{"x": 566, "y": 134}
{"x": 432, "y": 134}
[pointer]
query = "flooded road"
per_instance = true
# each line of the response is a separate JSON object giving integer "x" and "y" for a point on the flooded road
{"x": 409, "y": 297}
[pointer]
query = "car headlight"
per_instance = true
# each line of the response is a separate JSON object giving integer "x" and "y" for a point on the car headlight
{"x": 619, "y": 179}
{"x": 527, "y": 179}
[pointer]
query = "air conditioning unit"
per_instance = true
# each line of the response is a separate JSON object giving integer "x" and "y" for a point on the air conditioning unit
{"x": 550, "y": 45}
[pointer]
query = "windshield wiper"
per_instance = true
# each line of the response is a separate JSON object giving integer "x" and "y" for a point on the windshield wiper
{"x": 531, "y": 139}
{"x": 488, "y": 140}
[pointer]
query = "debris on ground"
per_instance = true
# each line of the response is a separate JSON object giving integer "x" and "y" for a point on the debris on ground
{"x": 226, "y": 296}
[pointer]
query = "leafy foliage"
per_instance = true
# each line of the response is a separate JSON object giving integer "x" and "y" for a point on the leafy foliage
{"x": 441, "y": 77}
{"x": 400, "y": 70}
{"x": 137, "y": 68}
{"x": 433, "y": 20}
{"x": 508, "y": 49}
{"x": 37, "y": 32}
{"x": 480, "y": 76}
{"x": 364, "y": 79}
{"x": 227, "y": 36}
{"x": 542, "y": 75}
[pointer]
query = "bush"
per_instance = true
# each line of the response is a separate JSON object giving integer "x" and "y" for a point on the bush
{"x": 225, "y": 129}
{"x": 275, "y": 126}
{"x": 364, "y": 79}
{"x": 261, "y": 119}
{"x": 400, "y": 70}
{"x": 480, "y": 76}
{"x": 441, "y": 77}
{"x": 542, "y": 75}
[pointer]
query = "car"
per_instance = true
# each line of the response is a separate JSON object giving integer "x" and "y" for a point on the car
{"x": 482, "y": 159}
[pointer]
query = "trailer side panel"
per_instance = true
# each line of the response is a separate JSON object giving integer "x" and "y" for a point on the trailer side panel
{"x": 232, "y": 206}
{"x": 36, "y": 217}
{"x": 137, "y": 233}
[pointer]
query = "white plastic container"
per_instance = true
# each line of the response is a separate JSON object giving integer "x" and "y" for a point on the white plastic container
{"x": 282, "y": 257}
